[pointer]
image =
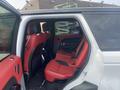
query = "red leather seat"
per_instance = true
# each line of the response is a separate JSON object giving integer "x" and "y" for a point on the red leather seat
{"x": 33, "y": 41}
{"x": 64, "y": 65}
{"x": 55, "y": 71}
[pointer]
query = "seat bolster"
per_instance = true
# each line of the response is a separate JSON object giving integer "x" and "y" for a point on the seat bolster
{"x": 82, "y": 57}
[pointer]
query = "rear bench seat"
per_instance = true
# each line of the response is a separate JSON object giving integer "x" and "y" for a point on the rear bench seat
{"x": 64, "y": 65}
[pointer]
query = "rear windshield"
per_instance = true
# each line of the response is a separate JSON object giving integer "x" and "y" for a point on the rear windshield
{"x": 106, "y": 29}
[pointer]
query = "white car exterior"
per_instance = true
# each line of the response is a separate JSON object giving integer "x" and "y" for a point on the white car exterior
{"x": 102, "y": 68}
{"x": 94, "y": 70}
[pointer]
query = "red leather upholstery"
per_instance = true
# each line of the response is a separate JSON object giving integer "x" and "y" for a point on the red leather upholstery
{"x": 33, "y": 41}
{"x": 8, "y": 71}
{"x": 82, "y": 56}
{"x": 56, "y": 71}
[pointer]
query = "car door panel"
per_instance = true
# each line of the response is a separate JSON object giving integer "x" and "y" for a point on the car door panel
{"x": 12, "y": 85}
{"x": 10, "y": 64}
{"x": 10, "y": 71}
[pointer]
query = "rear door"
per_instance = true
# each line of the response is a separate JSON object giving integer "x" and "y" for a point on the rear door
{"x": 10, "y": 64}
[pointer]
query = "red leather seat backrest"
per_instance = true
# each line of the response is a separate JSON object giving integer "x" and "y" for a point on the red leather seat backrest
{"x": 33, "y": 41}
{"x": 36, "y": 39}
{"x": 78, "y": 57}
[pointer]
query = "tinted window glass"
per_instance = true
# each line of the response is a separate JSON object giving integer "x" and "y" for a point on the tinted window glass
{"x": 7, "y": 24}
{"x": 106, "y": 29}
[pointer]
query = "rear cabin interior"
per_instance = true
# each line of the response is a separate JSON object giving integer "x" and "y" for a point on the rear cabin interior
{"x": 55, "y": 51}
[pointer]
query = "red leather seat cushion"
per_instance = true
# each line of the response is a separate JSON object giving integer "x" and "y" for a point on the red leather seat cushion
{"x": 55, "y": 71}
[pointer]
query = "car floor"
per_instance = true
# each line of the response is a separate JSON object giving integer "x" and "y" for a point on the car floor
{"x": 38, "y": 82}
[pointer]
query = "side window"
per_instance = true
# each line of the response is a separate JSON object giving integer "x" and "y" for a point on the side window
{"x": 7, "y": 25}
{"x": 66, "y": 27}
{"x": 67, "y": 35}
{"x": 105, "y": 27}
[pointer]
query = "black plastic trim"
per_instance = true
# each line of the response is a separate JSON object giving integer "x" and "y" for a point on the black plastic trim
{"x": 86, "y": 86}
{"x": 15, "y": 34}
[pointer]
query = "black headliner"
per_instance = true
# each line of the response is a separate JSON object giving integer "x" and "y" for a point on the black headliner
{"x": 75, "y": 10}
